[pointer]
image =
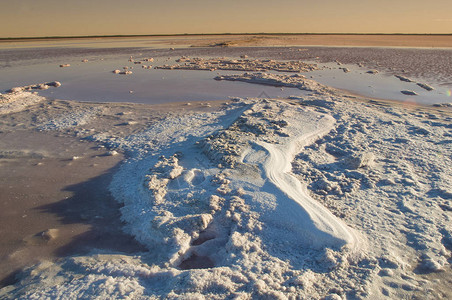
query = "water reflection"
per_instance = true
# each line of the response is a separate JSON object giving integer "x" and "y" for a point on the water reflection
{"x": 94, "y": 81}
{"x": 38, "y": 61}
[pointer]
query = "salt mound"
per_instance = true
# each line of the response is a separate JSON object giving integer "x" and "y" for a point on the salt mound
{"x": 71, "y": 119}
{"x": 244, "y": 64}
{"x": 17, "y": 100}
{"x": 249, "y": 227}
{"x": 54, "y": 84}
{"x": 409, "y": 93}
{"x": 239, "y": 224}
{"x": 185, "y": 210}
{"x": 296, "y": 81}
{"x": 50, "y": 234}
{"x": 403, "y": 78}
{"x": 443, "y": 105}
{"x": 425, "y": 86}
{"x": 39, "y": 86}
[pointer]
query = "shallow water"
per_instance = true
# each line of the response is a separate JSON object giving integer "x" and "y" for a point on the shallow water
{"x": 94, "y": 81}
{"x": 380, "y": 85}
{"x": 33, "y": 62}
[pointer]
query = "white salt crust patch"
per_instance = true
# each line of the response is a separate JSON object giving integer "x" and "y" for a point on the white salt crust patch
{"x": 215, "y": 199}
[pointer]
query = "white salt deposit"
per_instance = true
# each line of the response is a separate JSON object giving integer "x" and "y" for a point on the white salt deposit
{"x": 125, "y": 72}
{"x": 403, "y": 78}
{"x": 112, "y": 153}
{"x": 239, "y": 65}
{"x": 317, "y": 198}
{"x": 295, "y": 81}
{"x": 54, "y": 83}
{"x": 73, "y": 119}
{"x": 425, "y": 86}
{"x": 422, "y": 85}
{"x": 19, "y": 98}
{"x": 50, "y": 234}
{"x": 409, "y": 93}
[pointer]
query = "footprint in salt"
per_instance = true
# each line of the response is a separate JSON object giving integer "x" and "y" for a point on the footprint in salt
{"x": 194, "y": 177}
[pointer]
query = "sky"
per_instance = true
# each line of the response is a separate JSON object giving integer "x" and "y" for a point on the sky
{"x": 37, "y": 18}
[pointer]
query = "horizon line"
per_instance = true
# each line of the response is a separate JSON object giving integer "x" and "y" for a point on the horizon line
{"x": 208, "y": 34}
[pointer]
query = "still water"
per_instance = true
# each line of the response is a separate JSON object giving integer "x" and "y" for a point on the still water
{"x": 33, "y": 62}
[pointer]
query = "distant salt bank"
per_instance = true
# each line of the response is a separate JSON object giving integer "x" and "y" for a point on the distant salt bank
{"x": 237, "y": 40}
{"x": 357, "y": 40}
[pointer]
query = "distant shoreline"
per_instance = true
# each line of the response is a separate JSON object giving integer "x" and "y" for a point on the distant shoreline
{"x": 266, "y": 39}
{"x": 218, "y": 34}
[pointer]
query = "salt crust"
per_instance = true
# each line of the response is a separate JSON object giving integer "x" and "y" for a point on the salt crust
{"x": 19, "y": 98}
{"x": 380, "y": 169}
{"x": 15, "y": 102}
{"x": 196, "y": 63}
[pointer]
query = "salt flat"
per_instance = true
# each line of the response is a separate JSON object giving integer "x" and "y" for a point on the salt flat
{"x": 321, "y": 195}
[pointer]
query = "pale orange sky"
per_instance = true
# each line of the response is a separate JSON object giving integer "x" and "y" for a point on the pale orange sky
{"x": 31, "y": 18}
